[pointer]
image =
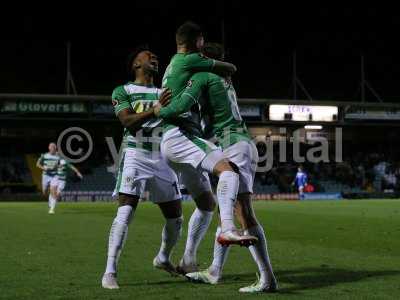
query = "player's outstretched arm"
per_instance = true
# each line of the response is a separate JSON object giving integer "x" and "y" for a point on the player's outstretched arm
{"x": 199, "y": 63}
{"x": 176, "y": 108}
{"x": 185, "y": 101}
{"x": 73, "y": 168}
{"x": 224, "y": 69}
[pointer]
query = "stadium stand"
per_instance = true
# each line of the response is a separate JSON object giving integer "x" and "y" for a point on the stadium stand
{"x": 15, "y": 176}
{"x": 98, "y": 180}
{"x": 13, "y": 169}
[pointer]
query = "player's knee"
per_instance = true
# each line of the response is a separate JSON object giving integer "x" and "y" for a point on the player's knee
{"x": 222, "y": 166}
{"x": 205, "y": 201}
{"x": 172, "y": 209}
{"x": 130, "y": 200}
{"x": 178, "y": 221}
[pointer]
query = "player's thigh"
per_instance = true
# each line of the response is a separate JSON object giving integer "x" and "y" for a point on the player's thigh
{"x": 164, "y": 191}
{"x": 125, "y": 199}
{"x": 181, "y": 149}
{"x": 244, "y": 156}
{"x": 198, "y": 185}
{"x": 54, "y": 182}
{"x": 60, "y": 187}
{"x": 46, "y": 183}
{"x": 171, "y": 209}
{"x": 131, "y": 178}
{"x": 244, "y": 211}
{"x": 205, "y": 201}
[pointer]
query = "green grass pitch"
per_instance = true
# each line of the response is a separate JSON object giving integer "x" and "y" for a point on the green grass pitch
{"x": 319, "y": 250}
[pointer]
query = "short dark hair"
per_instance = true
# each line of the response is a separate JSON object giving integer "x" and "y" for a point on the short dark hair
{"x": 132, "y": 56}
{"x": 213, "y": 50}
{"x": 188, "y": 33}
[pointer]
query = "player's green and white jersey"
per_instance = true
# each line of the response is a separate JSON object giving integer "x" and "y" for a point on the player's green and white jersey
{"x": 138, "y": 98}
{"x": 62, "y": 170}
{"x": 177, "y": 74}
{"x": 50, "y": 162}
{"x": 220, "y": 106}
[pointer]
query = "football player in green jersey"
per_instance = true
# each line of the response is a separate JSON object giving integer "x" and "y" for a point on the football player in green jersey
{"x": 217, "y": 98}
{"x": 48, "y": 163}
{"x": 194, "y": 157}
{"x": 142, "y": 165}
{"x": 57, "y": 186}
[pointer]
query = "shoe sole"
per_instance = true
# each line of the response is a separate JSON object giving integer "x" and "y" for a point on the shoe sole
{"x": 196, "y": 280}
{"x": 272, "y": 289}
{"x": 110, "y": 288}
{"x": 199, "y": 281}
{"x": 243, "y": 243}
{"x": 268, "y": 290}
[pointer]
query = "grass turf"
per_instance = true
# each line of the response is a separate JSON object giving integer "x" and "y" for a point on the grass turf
{"x": 321, "y": 250}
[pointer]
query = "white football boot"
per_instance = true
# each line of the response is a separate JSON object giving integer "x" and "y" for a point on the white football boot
{"x": 261, "y": 287}
{"x": 235, "y": 237}
{"x": 202, "y": 277}
{"x": 109, "y": 281}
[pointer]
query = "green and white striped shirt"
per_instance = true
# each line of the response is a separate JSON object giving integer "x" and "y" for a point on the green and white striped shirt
{"x": 50, "y": 162}
{"x": 139, "y": 98}
{"x": 62, "y": 170}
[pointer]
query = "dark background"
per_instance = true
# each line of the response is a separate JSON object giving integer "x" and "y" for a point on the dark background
{"x": 259, "y": 39}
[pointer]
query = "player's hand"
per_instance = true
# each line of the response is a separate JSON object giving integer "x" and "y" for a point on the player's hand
{"x": 80, "y": 175}
{"x": 156, "y": 109}
{"x": 165, "y": 97}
